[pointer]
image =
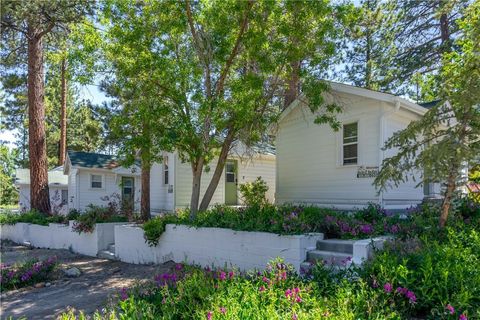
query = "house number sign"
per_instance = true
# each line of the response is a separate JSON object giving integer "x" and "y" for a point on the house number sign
{"x": 367, "y": 172}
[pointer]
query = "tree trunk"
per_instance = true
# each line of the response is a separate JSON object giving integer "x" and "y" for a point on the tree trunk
{"x": 293, "y": 84}
{"x": 217, "y": 174}
{"x": 451, "y": 184}
{"x": 368, "y": 62}
{"x": 63, "y": 114}
{"x": 39, "y": 194}
{"x": 145, "y": 197}
{"x": 196, "y": 183}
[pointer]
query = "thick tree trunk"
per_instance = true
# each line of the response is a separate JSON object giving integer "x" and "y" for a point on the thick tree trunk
{"x": 293, "y": 84}
{"x": 447, "y": 200}
{"x": 196, "y": 183}
{"x": 217, "y": 174}
{"x": 145, "y": 197}
{"x": 63, "y": 114}
{"x": 39, "y": 194}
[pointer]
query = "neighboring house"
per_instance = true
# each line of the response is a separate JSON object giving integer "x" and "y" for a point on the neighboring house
{"x": 57, "y": 184}
{"x": 316, "y": 165}
{"x": 92, "y": 177}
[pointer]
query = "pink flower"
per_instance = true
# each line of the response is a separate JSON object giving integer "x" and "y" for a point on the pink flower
{"x": 223, "y": 310}
{"x": 450, "y": 309}
{"x": 288, "y": 293}
{"x": 222, "y": 276}
{"x": 231, "y": 274}
{"x": 411, "y": 296}
{"x": 462, "y": 317}
{"x": 294, "y": 316}
{"x": 209, "y": 315}
{"x": 178, "y": 266}
{"x": 123, "y": 294}
{"x": 261, "y": 289}
{"x": 388, "y": 287}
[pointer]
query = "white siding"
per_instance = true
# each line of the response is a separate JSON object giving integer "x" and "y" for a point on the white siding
{"x": 55, "y": 199}
{"x": 248, "y": 171}
{"x": 161, "y": 199}
{"x": 72, "y": 189}
{"x": 406, "y": 194}
{"x": 309, "y": 164}
{"x": 87, "y": 195}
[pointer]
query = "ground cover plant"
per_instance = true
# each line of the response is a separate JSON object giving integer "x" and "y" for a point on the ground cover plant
{"x": 288, "y": 219}
{"x": 26, "y": 273}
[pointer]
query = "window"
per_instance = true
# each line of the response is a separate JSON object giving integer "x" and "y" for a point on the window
{"x": 230, "y": 171}
{"x": 64, "y": 197}
{"x": 96, "y": 181}
{"x": 350, "y": 143}
{"x": 165, "y": 170}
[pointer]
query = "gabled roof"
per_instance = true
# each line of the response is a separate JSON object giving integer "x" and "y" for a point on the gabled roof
{"x": 92, "y": 160}
{"x": 362, "y": 92}
{"x": 55, "y": 177}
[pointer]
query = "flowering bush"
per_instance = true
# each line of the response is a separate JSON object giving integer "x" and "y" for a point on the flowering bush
{"x": 86, "y": 221}
{"x": 27, "y": 273}
{"x": 254, "y": 193}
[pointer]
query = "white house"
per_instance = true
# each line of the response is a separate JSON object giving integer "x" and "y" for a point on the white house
{"x": 57, "y": 184}
{"x": 316, "y": 165}
{"x": 92, "y": 177}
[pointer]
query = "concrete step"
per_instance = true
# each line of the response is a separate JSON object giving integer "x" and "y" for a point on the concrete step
{"x": 111, "y": 247}
{"x": 329, "y": 257}
{"x": 105, "y": 254}
{"x": 336, "y": 245}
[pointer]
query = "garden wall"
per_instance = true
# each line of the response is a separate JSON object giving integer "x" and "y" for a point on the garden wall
{"x": 60, "y": 236}
{"x": 212, "y": 246}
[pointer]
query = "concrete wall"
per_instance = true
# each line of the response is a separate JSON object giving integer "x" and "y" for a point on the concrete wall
{"x": 212, "y": 246}
{"x": 61, "y": 236}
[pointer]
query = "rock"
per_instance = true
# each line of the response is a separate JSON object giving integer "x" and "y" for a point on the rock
{"x": 48, "y": 284}
{"x": 72, "y": 272}
{"x": 39, "y": 285}
{"x": 114, "y": 270}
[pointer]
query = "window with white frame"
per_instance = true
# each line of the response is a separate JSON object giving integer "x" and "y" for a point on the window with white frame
{"x": 64, "y": 197}
{"x": 350, "y": 143}
{"x": 165, "y": 170}
{"x": 96, "y": 181}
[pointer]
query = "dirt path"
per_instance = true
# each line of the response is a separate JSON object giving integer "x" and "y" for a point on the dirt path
{"x": 88, "y": 292}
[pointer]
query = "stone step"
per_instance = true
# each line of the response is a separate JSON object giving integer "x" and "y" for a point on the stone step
{"x": 111, "y": 247}
{"x": 336, "y": 245}
{"x": 329, "y": 257}
{"x": 105, "y": 254}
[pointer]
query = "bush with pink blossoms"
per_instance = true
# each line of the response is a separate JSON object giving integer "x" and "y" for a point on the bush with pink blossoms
{"x": 26, "y": 273}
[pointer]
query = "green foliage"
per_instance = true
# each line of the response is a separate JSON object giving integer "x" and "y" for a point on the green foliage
{"x": 8, "y": 192}
{"x": 26, "y": 273}
{"x": 369, "y": 222}
{"x": 254, "y": 193}
{"x": 86, "y": 221}
{"x": 31, "y": 216}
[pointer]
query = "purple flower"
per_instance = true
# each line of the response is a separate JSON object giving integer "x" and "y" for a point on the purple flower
{"x": 178, "y": 266}
{"x": 209, "y": 315}
{"x": 402, "y": 290}
{"x": 288, "y": 293}
{"x": 411, "y": 296}
{"x": 366, "y": 228}
{"x": 450, "y": 309}
{"x": 222, "y": 276}
{"x": 223, "y": 310}
{"x": 462, "y": 317}
{"x": 230, "y": 275}
{"x": 261, "y": 289}
{"x": 294, "y": 316}
{"x": 387, "y": 287}
{"x": 123, "y": 294}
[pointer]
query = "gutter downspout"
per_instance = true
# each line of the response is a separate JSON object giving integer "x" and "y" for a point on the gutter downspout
{"x": 174, "y": 182}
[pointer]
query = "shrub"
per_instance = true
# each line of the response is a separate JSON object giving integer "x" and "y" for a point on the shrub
{"x": 96, "y": 214}
{"x": 31, "y": 216}
{"x": 26, "y": 273}
{"x": 254, "y": 193}
{"x": 154, "y": 228}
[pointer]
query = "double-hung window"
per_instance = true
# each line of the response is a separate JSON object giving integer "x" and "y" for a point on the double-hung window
{"x": 64, "y": 197}
{"x": 350, "y": 143}
{"x": 96, "y": 181}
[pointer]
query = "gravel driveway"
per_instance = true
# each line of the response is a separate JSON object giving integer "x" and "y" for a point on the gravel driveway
{"x": 88, "y": 292}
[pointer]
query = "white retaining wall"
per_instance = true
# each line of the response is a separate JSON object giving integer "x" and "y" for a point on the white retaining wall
{"x": 60, "y": 236}
{"x": 212, "y": 246}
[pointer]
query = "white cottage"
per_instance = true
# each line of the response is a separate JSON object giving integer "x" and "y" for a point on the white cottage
{"x": 57, "y": 184}
{"x": 316, "y": 165}
{"x": 92, "y": 177}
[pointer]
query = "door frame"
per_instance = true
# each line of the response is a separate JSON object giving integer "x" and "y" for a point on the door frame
{"x": 235, "y": 163}
{"x": 133, "y": 191}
